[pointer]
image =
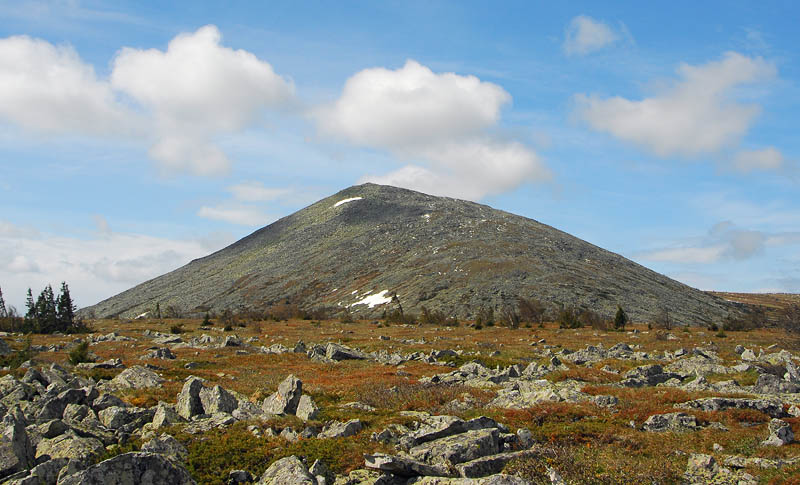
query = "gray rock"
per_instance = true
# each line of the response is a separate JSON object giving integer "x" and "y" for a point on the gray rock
{"x": 136, "y": 377}
{"x": 287, "y": 471}
{"x": 5, "y": 349}
{"x": 459, "y": 448}
{"x": 780, "y": 433}
{"x": 770, "y": 407}
{"x": 286, "y": 398}
{"x": 165, "y": 415}
{"x": 159, "y": 353}
{"x": 676, "y": 422}
{"x": 189, "y": 403}
{"x": 489, "y": 465}
{"x": 70, "y": 446}
{"x": 16, "y": 452}
{"x": 306, "y": 409}
{"x": 168, "y": 446}
{"x": 403, "y": 466}
{"x": 340, "y": 352}
{"x": 770, "y": 384}
{"x": 235, "y": 477}
{"x": 117, "y": 417}
{"x": 106, "y": 401}
{"x": 132, "y": 469}
{"x": 338, "y": 429}
{"x": 217, "y": 400}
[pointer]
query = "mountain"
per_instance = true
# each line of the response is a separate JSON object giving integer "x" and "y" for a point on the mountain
{"x": 370, "y": 241}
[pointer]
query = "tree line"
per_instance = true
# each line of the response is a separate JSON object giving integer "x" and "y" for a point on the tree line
{"x": 49, "y": 313}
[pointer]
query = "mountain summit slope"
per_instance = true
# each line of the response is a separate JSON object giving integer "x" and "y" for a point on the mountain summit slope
{"x": 370, "y": 241}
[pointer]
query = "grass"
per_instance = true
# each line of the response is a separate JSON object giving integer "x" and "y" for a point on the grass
{"x": 586, "y": 443}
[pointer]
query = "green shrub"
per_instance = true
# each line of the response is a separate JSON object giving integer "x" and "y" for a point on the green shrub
{"x": 80, "y": 354}
{"x": 177, "y": 328}
{"x": 568, "y": 318}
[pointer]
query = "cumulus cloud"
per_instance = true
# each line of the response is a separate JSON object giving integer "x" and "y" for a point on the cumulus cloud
{"x": 253, "y": 191}
{"x": 438, "y": 122}
{"x": 49, "y": 89}
{"x": 179, "y": 100}
{"x": 235, "y": 214}
{"x": 196, "y": 90}
{"x": 750, "y": 160}
{"x": 470, "y": 170}
{"x": 94, "y": 268}
{"x": 695, "y": 115}
{"x": 724, "y": 241}
{"x": 585, "y": 35}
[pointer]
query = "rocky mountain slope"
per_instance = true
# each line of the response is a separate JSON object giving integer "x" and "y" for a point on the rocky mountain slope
{"x": 357, "y": 248}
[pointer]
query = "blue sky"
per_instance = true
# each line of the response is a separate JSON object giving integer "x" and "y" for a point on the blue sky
{"x": 135, "y": 137}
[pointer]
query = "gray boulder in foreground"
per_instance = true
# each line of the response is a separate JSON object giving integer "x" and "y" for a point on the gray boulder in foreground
{"x": 132, "y": 469}
{"x": 287, "y": 471}
{"x": 286, "y": 398}
{"x": 136, "y": 377}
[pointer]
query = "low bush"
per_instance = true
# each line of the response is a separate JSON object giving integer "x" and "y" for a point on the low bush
{"x": 80, "y": 354}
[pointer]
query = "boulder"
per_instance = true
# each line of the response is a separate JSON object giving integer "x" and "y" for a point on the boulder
{"x": 403, "y": 466}
{"x": 286, "y": 398}
{"x": 159, "y": 353}
{"x": 770, "y": 407}
{"x": 340, "y": 352}
{"x": 132, "y": 468}
{"x": 306, "y": 409}
{"x": 70, "y": 446}
{"x": 189, "y": 403}
{"x": 168, "y": 446}
{"x": 165, "y": 415}
{"x": 489, "y": 465}
{"x": 338, "y": 429}
{"x": 780, "y": 433}
{"x": 16, "y": 452}
{"x": 459, "y": 448}
{"x": 217, "y": 400}
{"x": 136, "y": 377}
{"x": 287, "y": 471}
{"x": 676, "y": 422}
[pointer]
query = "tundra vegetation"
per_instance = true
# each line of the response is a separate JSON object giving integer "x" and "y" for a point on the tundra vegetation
{"x": 519, "y": 394}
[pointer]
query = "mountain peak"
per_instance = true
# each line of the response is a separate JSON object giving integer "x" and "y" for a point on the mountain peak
{"x": 352, "y": 249}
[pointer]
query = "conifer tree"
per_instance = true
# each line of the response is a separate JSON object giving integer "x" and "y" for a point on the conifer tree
{"x": 31, "y": 314}
{"x": 65, "y": 309}
{"x": 621, "y": 319}
{"x": 46, "y": 314}
{"x": 3, "y": 311}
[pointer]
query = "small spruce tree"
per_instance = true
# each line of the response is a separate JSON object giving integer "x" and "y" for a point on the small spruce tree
{"x": 3, "y": 311}
{"x": 65, "y": 309}
{"x": 46, "y": 313}
{"x": 31, "y": 306}
{"x": 620, "y": 319}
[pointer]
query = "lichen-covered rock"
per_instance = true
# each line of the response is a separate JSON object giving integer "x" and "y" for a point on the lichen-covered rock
{"x": 16, "y": 452}
{"x": 168, "y": 446}
{"x": 459, "y": 448}
{"x": 132, "y": 469}
{"x": 163, "y": 353}
{"x": 70, "y": 446}
{"x": 337, "y": 429}
{"x": 770, "y": 407}
{"x": 671, "y": 422}
{"x": 136, "y": 377}
{"x": 217, "y": 400}
{"x": 340, "y": 352}
{"x": 165, "y": 415}
{"x": 780, "y": 433}
{"x": 306, "y": 409}
{"x": 404, "y": 466}
{"x": 286, "y": 398}
{"x": 287, "y": 471}
{"x": 189, "y": 403}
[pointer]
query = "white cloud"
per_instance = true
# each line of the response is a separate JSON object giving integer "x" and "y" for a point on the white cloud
{"x": 471, "y": 169}
{"x": 585, "y": 35}
{"x": 766, "y": 159}
{"x": 103, "y": 227}
{"x": 49, "y": 89}
{"x": 14, "y": 231}
{"x": 237, "y": 214}
{"x": 411, "y": 106}
{"x": 724, "y": 241}
{"x": 196, "y": 90}
{"x": 439, "y": 123}
{"x": 253, "y": 191}
{"x": 696, "y": 115}
{"x": 94, "y": 268}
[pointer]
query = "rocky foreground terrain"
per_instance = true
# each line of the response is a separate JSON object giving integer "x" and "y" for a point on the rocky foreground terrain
{"x": 354, "y": 250}
{"x": 329, "y": 403}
